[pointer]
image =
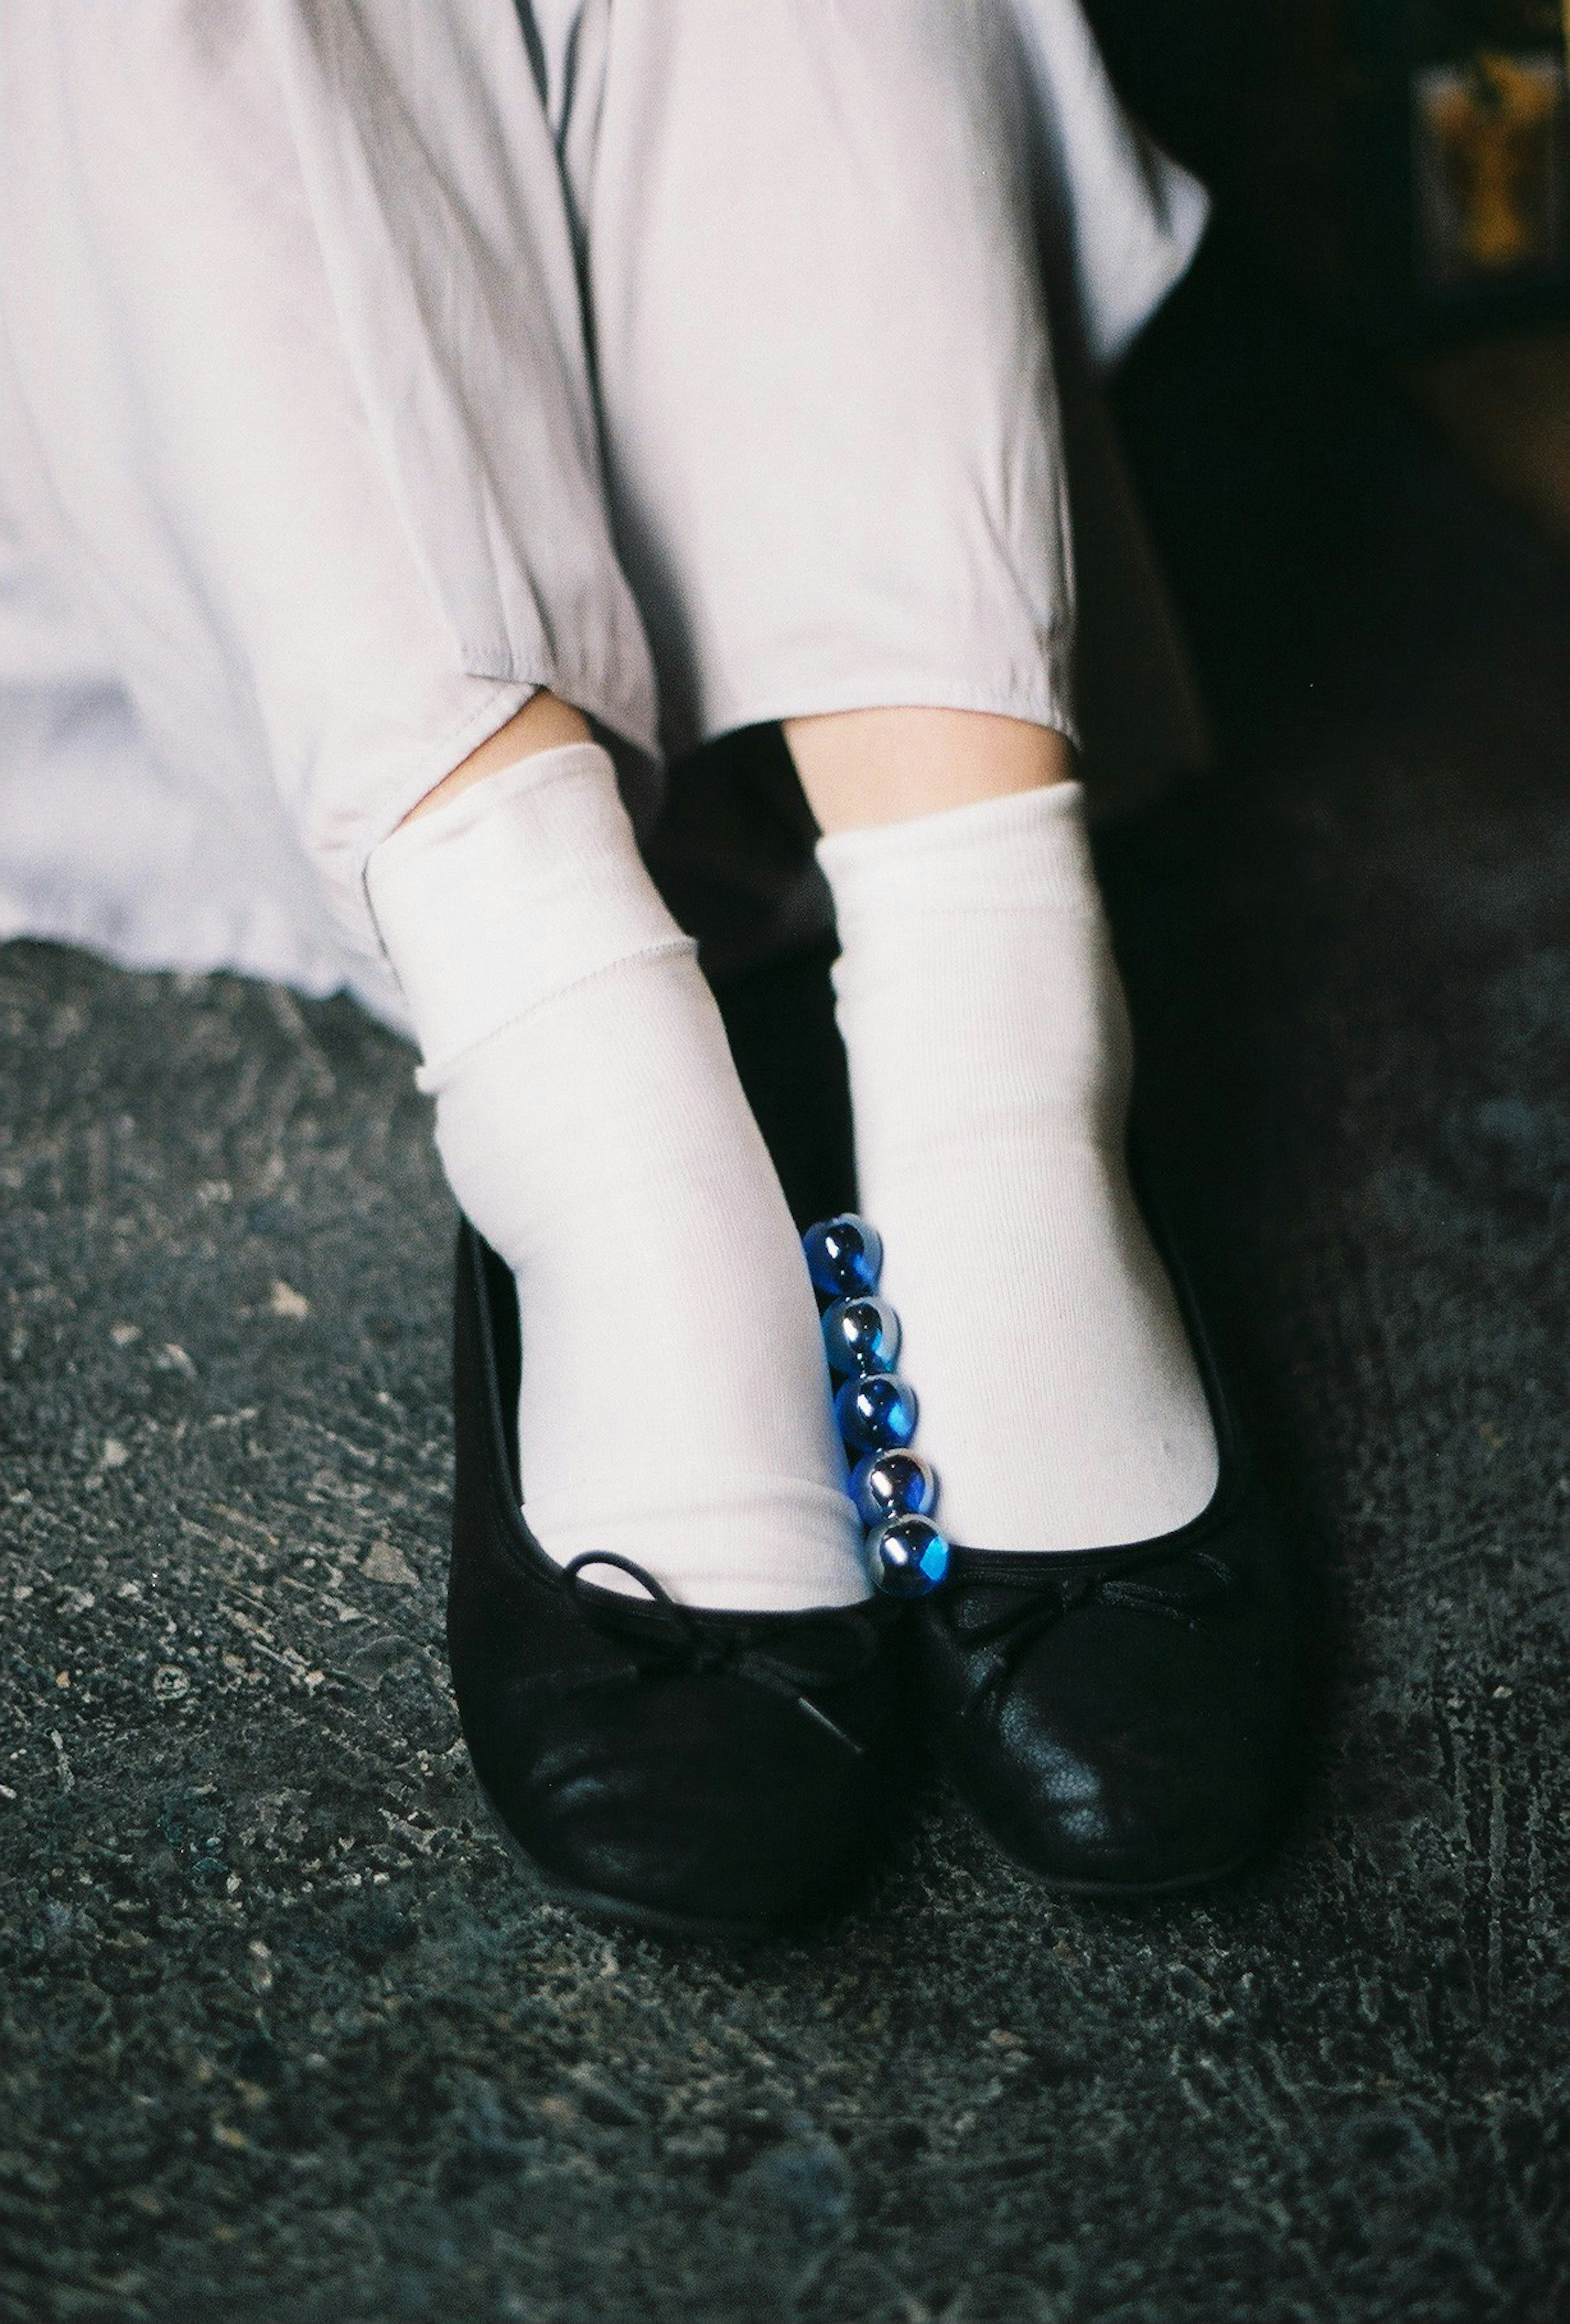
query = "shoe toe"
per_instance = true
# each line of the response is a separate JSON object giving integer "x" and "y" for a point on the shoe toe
{"x": 698, "y": 1806}
{"x": 1108, "y": 1768}
{"x": 1120, "y": 1724}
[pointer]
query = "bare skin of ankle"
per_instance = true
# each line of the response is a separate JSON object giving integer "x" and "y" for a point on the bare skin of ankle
{"x": 857, "y": 767}
{"x": 863, "y": 767}
{"x": 544, "y": 723}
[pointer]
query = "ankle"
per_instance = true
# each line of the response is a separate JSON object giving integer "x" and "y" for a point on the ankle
{"x": 544, "y": 723}
{"x": 860, "y": 768}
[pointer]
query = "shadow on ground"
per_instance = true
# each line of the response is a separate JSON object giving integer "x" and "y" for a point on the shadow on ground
{"x": 282, "y": 2039}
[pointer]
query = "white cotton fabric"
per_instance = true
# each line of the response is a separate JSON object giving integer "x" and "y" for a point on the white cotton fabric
{"x": 1061, "y": 1405}
{"x": 673, "y": 1405}
{"x": 527, "y": 884}
{"x": 364, "y": 367}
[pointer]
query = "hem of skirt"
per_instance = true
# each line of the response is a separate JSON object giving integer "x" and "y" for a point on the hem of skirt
{"x": 222, "y": 953}
{"x": 435, "y": 759}
{"x": 1034, "y": 706}
{"x": 509, "y": 696}
{"x": 1188, "y": 219}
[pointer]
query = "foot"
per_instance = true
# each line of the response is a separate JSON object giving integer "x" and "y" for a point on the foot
{"x": 676, "y": 1697}
{"x": 700, "y": 1773}
{"x": 1107, "y": 1664}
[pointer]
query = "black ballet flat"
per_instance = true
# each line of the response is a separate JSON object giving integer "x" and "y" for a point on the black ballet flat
{"x": 702, "y": 1773}
{"x": 1122, "y": 1720}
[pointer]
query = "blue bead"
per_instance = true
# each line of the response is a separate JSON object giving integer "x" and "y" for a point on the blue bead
{"x": 908, "y": 1557}
{"x": 862, "y": 1335}
{"x": 844, "y": 1255}
{"x": 892, "y": 1484}
{"x": 876, "y": 1413}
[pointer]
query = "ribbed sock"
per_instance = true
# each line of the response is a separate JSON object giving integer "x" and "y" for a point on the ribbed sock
{"x": 990, "y": 1062}
{"x": 675, "y": 1405}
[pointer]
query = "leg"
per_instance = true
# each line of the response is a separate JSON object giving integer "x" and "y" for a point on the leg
{"x": 360, "y": 565}
{"x": 292, "y": 297}
{"x": 841, "y": 470}
{"x": 835, "y": 441}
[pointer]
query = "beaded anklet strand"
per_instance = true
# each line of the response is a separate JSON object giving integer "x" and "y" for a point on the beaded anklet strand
{"x": 894, "y": 1488}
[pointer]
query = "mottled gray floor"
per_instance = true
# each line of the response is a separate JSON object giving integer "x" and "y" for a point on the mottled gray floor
{"x": 281, "y": 2039}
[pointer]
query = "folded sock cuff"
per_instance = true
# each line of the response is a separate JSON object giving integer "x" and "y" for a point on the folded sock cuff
{"x": 524, "y": 884}
{"x": 1030, "y": 850}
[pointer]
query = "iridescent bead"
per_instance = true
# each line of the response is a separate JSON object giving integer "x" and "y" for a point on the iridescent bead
{"x": 862, "y": 1335}
{"x": 907, "y": 1556}
{"x": 844, "y": 1255}
{"x": 876, "y": 1413}
{"x": 894, "y": 1484}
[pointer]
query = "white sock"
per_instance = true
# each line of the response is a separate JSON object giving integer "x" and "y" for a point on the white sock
{"x": 990, "y": 1062}
{"x": 675, "y": 1403}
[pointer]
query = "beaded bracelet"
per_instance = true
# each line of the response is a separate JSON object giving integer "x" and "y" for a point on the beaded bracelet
{"x": 894, "y": 1488}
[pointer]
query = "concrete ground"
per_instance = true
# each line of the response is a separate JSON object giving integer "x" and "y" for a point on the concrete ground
{"x": 281, "y": 2038}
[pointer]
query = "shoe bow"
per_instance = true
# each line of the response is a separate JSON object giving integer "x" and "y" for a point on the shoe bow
{"x": 1176, "y": 1584}
{"x": 660, "y": 1638}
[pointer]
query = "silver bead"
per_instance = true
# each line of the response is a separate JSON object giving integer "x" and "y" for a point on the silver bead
{"x": 894, "y": 1484}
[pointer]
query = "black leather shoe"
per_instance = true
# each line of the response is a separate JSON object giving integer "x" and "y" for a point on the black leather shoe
{"x": 1122, "y": 1721}
{"x": 706, "y": 1773}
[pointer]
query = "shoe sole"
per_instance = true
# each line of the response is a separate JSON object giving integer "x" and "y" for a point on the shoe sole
{"x": 1112, "y": 1889}
{"x": 1065, "y": 1884}
{"x": 620, "y": 1912}
{"x": 653, "y": 1921}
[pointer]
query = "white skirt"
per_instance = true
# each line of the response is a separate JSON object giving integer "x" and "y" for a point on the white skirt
{"x": 365, "y": 367}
